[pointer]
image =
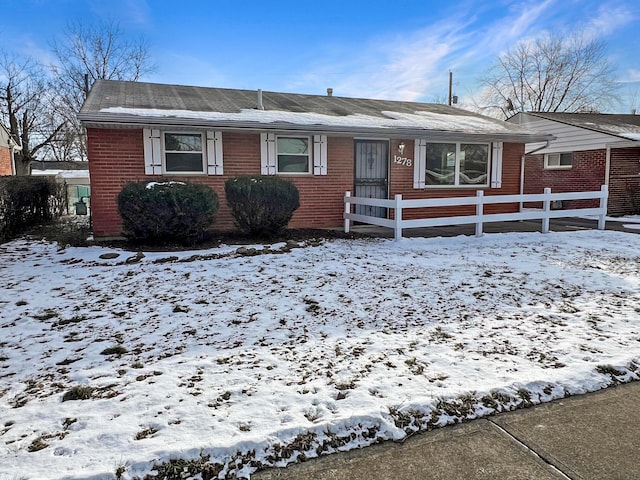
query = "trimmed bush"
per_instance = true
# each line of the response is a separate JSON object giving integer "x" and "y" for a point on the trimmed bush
{"x": 26, "y": 202}
{"x": 261, "y": 206}
{"x": 166, "y": 211}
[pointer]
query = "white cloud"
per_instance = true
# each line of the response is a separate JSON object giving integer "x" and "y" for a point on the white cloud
{"x": 522, "y": 20}
{"x": 610, "y": 17}
{"x": 403, "y": 67}
{"x": 630, "y": 76}
{"x": 414, "y": 66}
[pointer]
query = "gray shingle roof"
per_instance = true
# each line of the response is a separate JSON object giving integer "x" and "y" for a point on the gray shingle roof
{"x": 138, "y": 103}
{"x": 621, "y": 125}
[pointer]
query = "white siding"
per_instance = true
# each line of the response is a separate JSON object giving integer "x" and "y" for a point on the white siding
{"x": 569, "y": 138}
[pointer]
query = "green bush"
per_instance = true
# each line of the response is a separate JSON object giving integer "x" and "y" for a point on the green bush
{"x": 26, "y": 202}
{"x": 166, "y": 211}
{"x": 261, "y": 206}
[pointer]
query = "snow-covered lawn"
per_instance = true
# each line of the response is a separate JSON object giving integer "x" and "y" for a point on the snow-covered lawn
{"x": 238, "y": 361}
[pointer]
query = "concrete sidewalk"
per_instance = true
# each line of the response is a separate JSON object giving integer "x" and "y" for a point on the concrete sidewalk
{"x": 588, "y": 437}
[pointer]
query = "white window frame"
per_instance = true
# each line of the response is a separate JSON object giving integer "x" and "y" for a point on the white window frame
{"x": 457, "y": 183}
{"x": 549, "y": 166}
{"x": 309, "y": 155}
{"x": 203, "y": 152}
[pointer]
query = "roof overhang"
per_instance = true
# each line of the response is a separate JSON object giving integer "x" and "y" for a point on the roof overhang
{"x": 116, "y": 120}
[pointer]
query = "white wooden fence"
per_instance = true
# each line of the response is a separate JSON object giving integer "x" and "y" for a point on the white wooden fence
{"x": 479, "y": 200}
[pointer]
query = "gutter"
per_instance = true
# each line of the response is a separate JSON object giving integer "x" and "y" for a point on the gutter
{"x": 522, "y": 159}
{"x": 540, "y": 148}
{"x": 115, "y": 121}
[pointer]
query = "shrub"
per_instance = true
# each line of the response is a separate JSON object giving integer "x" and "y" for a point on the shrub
{"x": 79, "y": 392}
{"x": 157, "y": 212}
{"x": 261, "y": 206}
{"x": 26, "y": 202}
{"x": 71, "y": 234}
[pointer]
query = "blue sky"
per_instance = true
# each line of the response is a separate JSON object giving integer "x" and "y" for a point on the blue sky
{"x": 399, "y": 50}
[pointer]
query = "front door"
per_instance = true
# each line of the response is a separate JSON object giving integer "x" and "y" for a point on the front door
{"x": 372, "y": 174}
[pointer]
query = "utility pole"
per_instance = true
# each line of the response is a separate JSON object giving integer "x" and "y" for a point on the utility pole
{"x": 86, "y": 85}
{"x": 450, "y": 87}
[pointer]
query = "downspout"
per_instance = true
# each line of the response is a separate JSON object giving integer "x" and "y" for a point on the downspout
{"x": 13, "y": 148}
{"x": 522, "y": 158}
{"x": 607, "y": 165}
{"x": 521, "y": 182}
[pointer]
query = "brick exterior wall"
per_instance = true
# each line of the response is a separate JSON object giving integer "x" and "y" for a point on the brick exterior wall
{"x": 116, "y": 156}
{"x": 624, "y": 182}
{"x": 587, "y": 173}
{"x": 5, "y": 161}
{"x": 401, "y": 181}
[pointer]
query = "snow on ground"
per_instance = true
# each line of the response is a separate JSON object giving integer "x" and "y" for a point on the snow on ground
{"x": 632, "y": 222}
{"x": 242, "y": 361}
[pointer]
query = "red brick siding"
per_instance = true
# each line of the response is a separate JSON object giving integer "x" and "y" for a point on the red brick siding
{"x": 624, "y": 181}
{"x": 117, "y": 157}
{"x": 401, "y": 181}
{"x": 588, "y": 174}
{"x": 5, "y": 161}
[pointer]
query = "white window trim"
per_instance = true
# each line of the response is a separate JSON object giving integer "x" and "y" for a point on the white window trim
{"x": 269, "y": 155}
{"x": 203, "y": 152}
{"x": 155, "y": 158}
{"x": 309, "y": 155}
{"x": 457, "y": 184}
{"x": 557, "y": 167}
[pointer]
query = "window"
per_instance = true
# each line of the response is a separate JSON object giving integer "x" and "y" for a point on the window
{"x": 558, "y": 160}
{"x": 457, "y": 164}
{"x": 183, "y": 153}
{"x": 293, "y": 155}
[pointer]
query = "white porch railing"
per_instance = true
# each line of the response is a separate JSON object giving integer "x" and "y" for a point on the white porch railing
{"x": 479, "y": 200}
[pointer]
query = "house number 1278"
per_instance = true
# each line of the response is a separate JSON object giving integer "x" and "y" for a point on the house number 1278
{"x": 402, "y": 160}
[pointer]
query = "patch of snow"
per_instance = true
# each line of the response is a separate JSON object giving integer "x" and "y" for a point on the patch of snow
{"x": 351, "y": 340}
{"x": 626, "y": 218}
{"x": 49, "y": 172}
{"x": 152, "y": 185}
{"x": 74, "y": 174}
{"x": 424, "y": 120}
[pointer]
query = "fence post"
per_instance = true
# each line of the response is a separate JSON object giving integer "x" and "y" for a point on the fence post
{"x": 347, "y": 209}
{"x": 547, "y": 209}
{"x": 398, "y": 217}
{"x": 604, "y": 192}
{"x": 479, "y": 212}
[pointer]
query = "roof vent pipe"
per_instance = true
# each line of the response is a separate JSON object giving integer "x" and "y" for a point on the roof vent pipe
{"x": 260, "y": 105}
{"x": 633, "y": 111}
{"x": 329, "y": 92}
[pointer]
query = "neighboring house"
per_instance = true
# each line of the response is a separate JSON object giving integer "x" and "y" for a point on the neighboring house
{"x": 75, "y": 182}
{"x": 8, "y": 147}
{"x": 590, "y": 150}
{"x": 326, "y": 145}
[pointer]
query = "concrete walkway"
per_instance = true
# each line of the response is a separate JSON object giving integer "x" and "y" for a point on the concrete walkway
{"x": 588, "y": 437}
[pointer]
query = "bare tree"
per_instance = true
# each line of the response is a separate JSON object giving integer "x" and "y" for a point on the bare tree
{"x": 26, "y": 107}
{"x": 88, "y": 53}
{"x": 551, "y": 74}
{"x": 439, "y": 98}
